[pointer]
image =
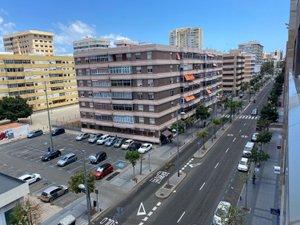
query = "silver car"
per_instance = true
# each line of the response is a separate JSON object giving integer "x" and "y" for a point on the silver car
{"x": 67, "y": 159}
{"x": 53, "y": 192}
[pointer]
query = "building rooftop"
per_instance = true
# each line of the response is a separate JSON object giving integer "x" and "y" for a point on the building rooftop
{"x": 7, "y": 183}
{"x": 28, "y": 32}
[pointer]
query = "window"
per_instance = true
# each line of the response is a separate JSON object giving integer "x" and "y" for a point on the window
{"x": 151, "y": 108}
{"x": 140, "y": 95}
{"x": 123, "y": 107}
{"x": 141, "y": 120}
{"x": 140, "y": 107}
{"x": 91, "y": 105}
{"x": 172, "y": 92}
{"x": 138, "y": 55}
{"x": 151, "y": 120}
{"x": 102, "y": 95}
{"x": 171, "y": 80}
{"x": 138, "y": 69}
{"x": 121, "y": 83}
{"x": 121, "y": 95}
{"x": 128, "y": 55}
{"x": 123, "y": 119}
{"x": 139, "y": 83}
{"x": 120, "y": 70}
{"x": 150, "y": 83}
{"x": 149, "y": 69}
{"x": 150, "y": 96}
{"x": 149, "y": 55}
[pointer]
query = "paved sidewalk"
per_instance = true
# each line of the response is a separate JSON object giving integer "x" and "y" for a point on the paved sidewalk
{"x": 264, "y": 194}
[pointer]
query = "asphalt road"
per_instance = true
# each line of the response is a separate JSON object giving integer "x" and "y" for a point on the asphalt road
{"x": 195, "y": 200}
{"x": 24, "y": 156}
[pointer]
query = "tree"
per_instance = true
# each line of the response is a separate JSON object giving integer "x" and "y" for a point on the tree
{"x": 202, "y": 134}
{"x": 258, "y": 156}
{"x": 264, "y": 137}
{"x": 26, "y": 213}
{"x": 245, "y": 86}
{"x": 235, "y": 216}
{"x": 263, "y": 124}
{"x": 14, "y": 108}
{"x": 269, "y": 112}
{"x": 202, "y": 112}
{"x": 216, "y": 122}
{"x": 181, "y": 126}
{"x": 233, "y": 106}
{"x": 132, "y": 157}
{"x": 267, "y": 68}
{"x": 78, "y": 178}
{"x": 189, "y": 121}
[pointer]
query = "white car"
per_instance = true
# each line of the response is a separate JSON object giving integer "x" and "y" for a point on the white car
{"x": 254, "y": 137}
{"x": 30, "y": 178}
{"x": 145, "y": 148}
{"x": 126, "y": 144}
{"x": 103, "y": 139}
{"x": 221, "y": 213}
{"x": 243, "y": 165}
{"x": 82, "y": 136}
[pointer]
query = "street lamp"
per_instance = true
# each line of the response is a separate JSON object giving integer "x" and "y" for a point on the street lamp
{"x": 49, "y": 121}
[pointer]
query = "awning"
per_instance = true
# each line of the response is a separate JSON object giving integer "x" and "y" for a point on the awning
{"x": 208, "y": 91}
{"x": 214, "y": 64}
{"x": 189, "y": 98}
{"x": 189, "y": 77}
{"x": 210, "y": 55}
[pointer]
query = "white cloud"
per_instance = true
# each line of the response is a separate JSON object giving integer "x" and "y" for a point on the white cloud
{"x": 67, "y": 34}
{"x": 5, "y": 28}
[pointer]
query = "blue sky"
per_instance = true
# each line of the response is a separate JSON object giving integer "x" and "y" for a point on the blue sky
{"x": 225, "y": 22}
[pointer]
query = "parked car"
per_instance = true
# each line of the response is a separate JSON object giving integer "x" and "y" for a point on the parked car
{"x": 248, "y": 149}
{"x": 53, "y": 192}
{"x": 68, "y": 220}
{"x": 51, "y": 155}
{"x": 221, "y": 214}
{"x": 103, "y": 171}
{"x": 134, "y": 146}
{"x": 67, "y": 159}
{"x": 110, "y": 141}
{"x": 82, "y": 136}
{"x": 34, "y": 133}
{"x": 58, "y": 131}
{"x": 119, "y": 142}
{"x": 243, "y": 165}
{"x": 93, "y": 138}
{"x": 145, "y": 148}
{"x": 126, "y": 144}
{"x": 254, "y": 137}
{"x": 254, "y": 112}
{"x": 99, "y": 157}
{"x": 30, "y": 178}
{"x": 102, "y": 139}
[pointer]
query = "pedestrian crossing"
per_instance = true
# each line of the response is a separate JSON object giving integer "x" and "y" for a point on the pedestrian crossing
{"x": 246, "y": 117}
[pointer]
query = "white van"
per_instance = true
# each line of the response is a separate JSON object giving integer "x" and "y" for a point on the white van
{"x": 243, "y": 165}
{"x": 248, "y": 149}
{"x": 68, "y": 220}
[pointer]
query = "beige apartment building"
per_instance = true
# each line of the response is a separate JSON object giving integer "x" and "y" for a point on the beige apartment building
{"x": 233, "y": 72}
{"x": 29, "y": 42}
{"x": 28, "y": 75}
{"x": 249, "y": 67}
{"x": 135, "y": 91}
{"x": 187, "y": 37}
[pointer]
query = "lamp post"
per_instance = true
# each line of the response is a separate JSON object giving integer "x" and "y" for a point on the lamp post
{"x": 87, "y": 191}
{"x": 49, "y": 121}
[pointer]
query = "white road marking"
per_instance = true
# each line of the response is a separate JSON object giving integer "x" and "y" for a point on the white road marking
{"x": 217, "y": 165}
{"x": 141, "y": 210}
{"x": 180, "y": 217}
{"x": 154, "y": 208}
{"x": 244, "y": 124}
{"x": 145, "y": 218}
{"x": 158, "y": 204}
{"x": 150, "y": 213}
{"x": 227, "y": 150}
{"x": 141, "y": 223}
{"x": 240, "y": 131}
{"x": 201, "y": 186}
{"x": 234, "y": 139}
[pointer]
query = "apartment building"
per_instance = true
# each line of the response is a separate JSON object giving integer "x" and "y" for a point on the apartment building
{"x": 87, "y": 43}
{"x": 253, "y": 47}
{"x": 29, "y": 42}
{"x": 28, "y": 75}
{"x": 249, "y": 67}
{"x": 136, "y": 91}
{"x": 187, "y": 37}
{"x": 233, "y": 72}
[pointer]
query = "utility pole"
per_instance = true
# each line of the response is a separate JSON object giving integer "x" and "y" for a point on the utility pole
{"x": 141, "y": 165}
{"x": 177, "y": 140}
{"x": 87, "y": 191}
{"x": 49, "y": 120}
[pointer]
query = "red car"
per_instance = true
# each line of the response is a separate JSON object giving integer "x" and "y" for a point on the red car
{"x": 103, "y": 171}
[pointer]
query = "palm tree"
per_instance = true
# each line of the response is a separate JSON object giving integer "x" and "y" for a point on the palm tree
{"x": 216, "y": 122}
{"x": 202, "y": 134}
{"x": 132, "y": 157}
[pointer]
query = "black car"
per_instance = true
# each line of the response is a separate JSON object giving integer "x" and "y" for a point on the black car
{"x": 34, "y": 133}
{"x": 119, "y": 142}
{"x": 134, "y": 146}
{"x": 99, "y": 157}
{"x": 58, "y": 131}
{"x": 51, "y": 155}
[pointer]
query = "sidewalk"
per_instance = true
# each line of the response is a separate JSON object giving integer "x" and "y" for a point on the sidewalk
{"x": 264, "y": 194}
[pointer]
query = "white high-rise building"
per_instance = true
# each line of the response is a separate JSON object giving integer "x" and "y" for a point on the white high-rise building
{"x": 253, "y": 47}
{"x": 187, "y": 37}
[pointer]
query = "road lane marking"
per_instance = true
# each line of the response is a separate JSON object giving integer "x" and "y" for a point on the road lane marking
{"x": 244, "y": 124}
{"x": 154, "y": 208}
{"x": 226, "y": 150}
{"x": 145, "y": 218}
{"x": 217, "y": 165}
{"x": 141, "y": 223}
{"x": 234, "y": 139}
{"x": 180, "y": 217}
{"x": 240, "y": 131}
{"x": 158, "y": 204}
{"x": 201, "y": 186}
{"x": 150, "y": 213}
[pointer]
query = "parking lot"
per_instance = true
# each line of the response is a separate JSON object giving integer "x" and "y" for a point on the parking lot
{"x": 24, "y": 156}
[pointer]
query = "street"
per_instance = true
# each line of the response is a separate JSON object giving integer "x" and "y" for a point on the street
{"x": 195, "y": 199}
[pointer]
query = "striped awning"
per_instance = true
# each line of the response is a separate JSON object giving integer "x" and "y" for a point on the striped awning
{"x": 189, "y": 77}
{"x": 189, "y": 98}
